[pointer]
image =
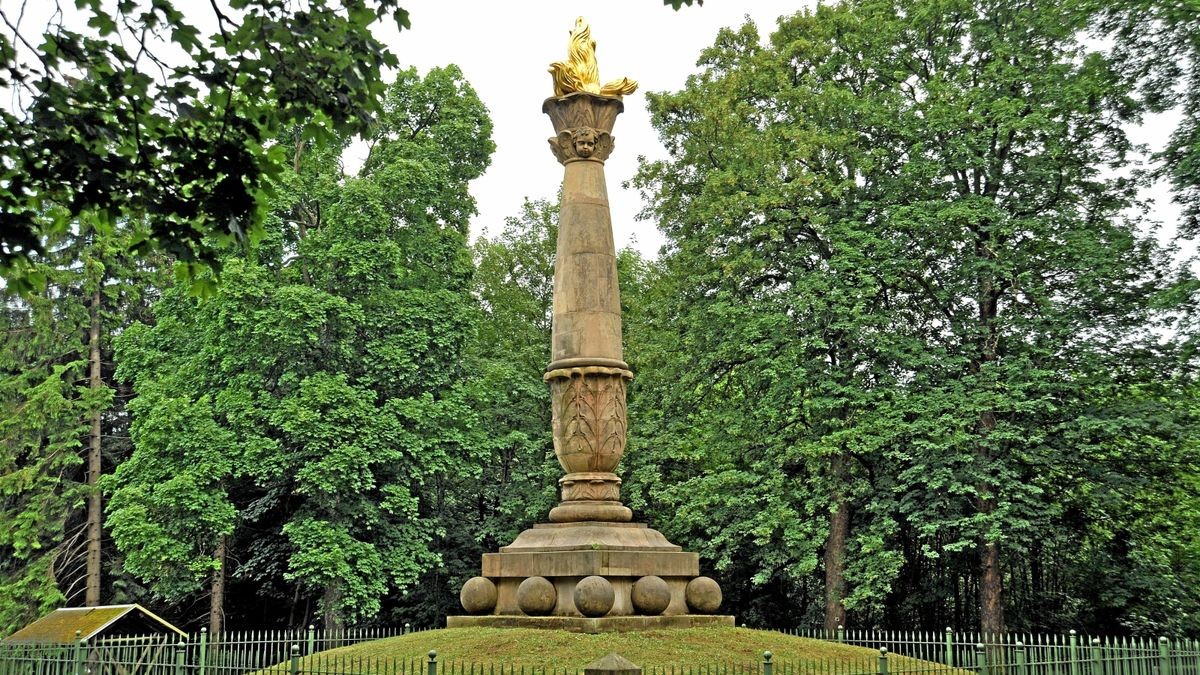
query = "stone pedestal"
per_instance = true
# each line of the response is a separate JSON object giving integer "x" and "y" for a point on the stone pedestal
{"x": 592, "y": 577}
{"x": 590, "y": 569}
{"x": 608, "y": 624}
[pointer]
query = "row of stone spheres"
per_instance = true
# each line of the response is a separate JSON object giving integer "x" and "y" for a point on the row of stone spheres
{"x": 590, "y": 568}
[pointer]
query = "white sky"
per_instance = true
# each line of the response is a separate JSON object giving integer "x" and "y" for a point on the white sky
{"x": 504, "y": 49}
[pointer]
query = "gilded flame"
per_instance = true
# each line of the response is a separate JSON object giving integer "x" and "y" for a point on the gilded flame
{"x": 579, "y": 72}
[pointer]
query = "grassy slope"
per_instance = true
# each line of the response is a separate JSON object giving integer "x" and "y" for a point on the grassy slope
{"x": 529, "y": 647}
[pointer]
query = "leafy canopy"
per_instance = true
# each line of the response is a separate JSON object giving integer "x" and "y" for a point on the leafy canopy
{"x": 141, "y": 115}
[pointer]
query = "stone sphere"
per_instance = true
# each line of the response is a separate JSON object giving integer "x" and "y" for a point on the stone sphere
{"x": 703, "y": 595}
{"x": 478, "y": 595}
{"x": 594, "y": 596}
{"x": 651, "y": 595}
{"x": 536, "y": 596}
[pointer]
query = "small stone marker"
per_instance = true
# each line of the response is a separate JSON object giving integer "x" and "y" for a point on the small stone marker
{"x": 612, "y": 664}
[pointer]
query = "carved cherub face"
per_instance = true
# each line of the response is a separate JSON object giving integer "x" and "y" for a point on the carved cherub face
{"x": 585, "y": 142}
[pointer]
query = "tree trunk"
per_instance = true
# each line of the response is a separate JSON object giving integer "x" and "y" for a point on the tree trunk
{"x": 991, "y": 603}
{"x": 991, "y": 607}
{"x": 330, "y": 602}
{"x": 991, "y": 585}
{"x": 835, "y": 548}
{"x": 216, "y": 607}
{"x": 1036, "y": 580}
{"x": 94, "y": 505}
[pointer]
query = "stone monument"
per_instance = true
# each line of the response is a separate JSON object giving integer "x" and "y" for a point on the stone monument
{"x": 590, "y": 568}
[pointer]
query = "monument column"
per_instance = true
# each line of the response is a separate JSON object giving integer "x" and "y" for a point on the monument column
{"x": 590, "y": 568}
{"x": 586, "y": 373}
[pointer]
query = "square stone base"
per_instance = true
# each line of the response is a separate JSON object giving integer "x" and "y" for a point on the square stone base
{"x": 564, "y": 554}
{"x": 580, "y": 624}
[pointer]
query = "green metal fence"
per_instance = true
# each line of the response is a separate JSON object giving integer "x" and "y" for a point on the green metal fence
{"x": 1029, "y": 653}
{"x": 306, "y": 652}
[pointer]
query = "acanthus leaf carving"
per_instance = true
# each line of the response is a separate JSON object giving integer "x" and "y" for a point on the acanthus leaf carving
{"x": 589, "y": 421}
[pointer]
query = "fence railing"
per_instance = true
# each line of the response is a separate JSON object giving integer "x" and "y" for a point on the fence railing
{"x": 1029, "y": 653}
{"x": 306, "y": 652}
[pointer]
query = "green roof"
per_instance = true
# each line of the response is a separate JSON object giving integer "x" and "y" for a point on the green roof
{"x": 61, "y": 625}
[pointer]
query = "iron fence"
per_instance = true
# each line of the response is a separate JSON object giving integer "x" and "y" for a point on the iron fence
{"x": 307, "y": 652}
{"x": 1029, "y": 653}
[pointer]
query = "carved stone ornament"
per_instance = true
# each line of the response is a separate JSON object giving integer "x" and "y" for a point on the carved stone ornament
{"x": 588, "y": 418}
{"x": 582, "y": 143}
{"x": 590, "y": 486}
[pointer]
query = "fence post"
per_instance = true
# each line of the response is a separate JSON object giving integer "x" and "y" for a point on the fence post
{"x": 312, "y": 640}
{"x": 1164, "y": 656}
{"x": 882, "y": 669}
{"x": 1022, "y": 659}
{"x": 1073, "y": 652}
{"x": 407, "y": 628}
{"x": 949, "y": 647}
{"x": 432, "y": 662}
{"x": 294, "y": 668}
{"x": 80, "y": 651}
{"x": 202, "y": 657}
{"x": 1097, "y": 663}
{"x": 181, "y": 656}
{"x": 768, "y": 667}
{"x": 841, "y": 633}
{"x": 981, "y": 659}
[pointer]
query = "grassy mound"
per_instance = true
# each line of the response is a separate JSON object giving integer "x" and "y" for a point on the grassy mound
{"x": 550, "y": 649}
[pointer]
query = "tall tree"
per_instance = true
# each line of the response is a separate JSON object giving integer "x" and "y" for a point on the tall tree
{"x": 64, "y": 420}
{"x": 906, "y": 239}
{"x": 310, "y": 405}
{"x": 511, "y": 483}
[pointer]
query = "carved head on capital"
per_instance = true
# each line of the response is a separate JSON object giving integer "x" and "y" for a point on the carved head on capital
{"x": 584, "y": 139}
{"x": 582, "y": 143}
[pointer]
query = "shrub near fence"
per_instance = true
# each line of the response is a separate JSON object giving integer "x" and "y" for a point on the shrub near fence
{"x": 296, "y": 652}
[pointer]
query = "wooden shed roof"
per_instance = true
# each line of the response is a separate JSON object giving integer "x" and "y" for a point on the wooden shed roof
{"x": 61, "y": 625}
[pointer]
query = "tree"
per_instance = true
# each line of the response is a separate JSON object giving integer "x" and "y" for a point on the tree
{"x": 514, "y": 285}
{"x": 44, "y": 419}
{"x": 900, "y": 241}
{"x": 176, "y": 128}
{"x": 510, "y": 482}
{"x": 310, "y": 404}
{"x": 63, "y": 422}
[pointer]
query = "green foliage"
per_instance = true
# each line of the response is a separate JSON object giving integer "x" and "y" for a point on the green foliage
{"x": 513, "y": 281}
{"x": 907, "y": 275}
{"x": 310, "y": 405}
{"x": 181, "y": 484}
{"x": 46, "y": 406}
{"x": 1156, "y": 46}
{"x": 104, "y": 130}
{"x": 510, "y": 483}
{"x": 906, "y": 267}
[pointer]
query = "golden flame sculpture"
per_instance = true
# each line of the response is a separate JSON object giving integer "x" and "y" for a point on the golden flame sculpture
{"x": 580, "y": 73}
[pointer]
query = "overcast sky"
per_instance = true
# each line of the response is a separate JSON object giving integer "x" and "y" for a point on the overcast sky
{"x": 504, "y": 49}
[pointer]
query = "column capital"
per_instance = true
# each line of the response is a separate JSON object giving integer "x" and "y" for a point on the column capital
{"x": 583, "y": 126}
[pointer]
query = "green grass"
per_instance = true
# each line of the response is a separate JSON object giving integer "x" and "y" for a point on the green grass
{"x": 552, "y": 648}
